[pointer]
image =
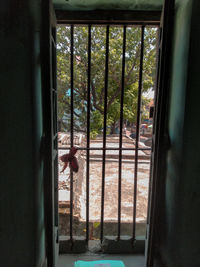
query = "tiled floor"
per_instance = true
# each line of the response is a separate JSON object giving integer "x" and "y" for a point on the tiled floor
{"x": 67, "y": 260}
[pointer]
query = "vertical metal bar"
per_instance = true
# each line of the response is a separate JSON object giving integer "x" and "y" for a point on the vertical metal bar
{"x": 104, "y": 130}
{"x": 138, "y": 129}
{"x": 88, "y": 134}
{"x": 121, "y": 129}
{"x": 153, "y": 132}
{"x": 72, "y": 125}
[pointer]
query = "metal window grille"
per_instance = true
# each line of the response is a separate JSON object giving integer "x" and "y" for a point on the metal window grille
{"x": 104, "y": 148}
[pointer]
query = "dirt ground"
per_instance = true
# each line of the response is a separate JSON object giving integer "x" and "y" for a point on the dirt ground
{"x": 111, "y": 183}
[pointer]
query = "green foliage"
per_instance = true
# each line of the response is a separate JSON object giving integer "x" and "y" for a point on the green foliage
{"x": 97, "y": 85}
{"x": 96, "y": 224}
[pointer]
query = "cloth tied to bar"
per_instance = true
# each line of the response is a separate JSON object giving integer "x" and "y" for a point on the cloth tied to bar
{"x": 71, "y": 159}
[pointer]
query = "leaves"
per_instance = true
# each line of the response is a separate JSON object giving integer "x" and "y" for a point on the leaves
{"x": 96, "y": 224}
{"x": 97, "y": 85}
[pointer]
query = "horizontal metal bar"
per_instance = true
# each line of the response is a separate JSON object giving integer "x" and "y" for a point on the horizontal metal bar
{"x": 117, "y": 24}
{"x": 108, "y": 17}
{"x": 101, "y": 148}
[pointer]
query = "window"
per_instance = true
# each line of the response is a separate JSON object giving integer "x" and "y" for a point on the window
{"x": 106, "y": 75}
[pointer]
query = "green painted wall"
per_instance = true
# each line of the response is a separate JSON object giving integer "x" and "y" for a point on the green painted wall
{"x": 21, "y": 188}
{"x": 35, "y": 10}
{"x": 180, "y": 245}
{"x": 22, "y": 234}
{"x": 191, "y": 161}
{"x": 108, "y": 4}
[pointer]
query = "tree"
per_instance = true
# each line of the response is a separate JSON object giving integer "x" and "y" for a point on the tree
{"x": 98, "y": 44}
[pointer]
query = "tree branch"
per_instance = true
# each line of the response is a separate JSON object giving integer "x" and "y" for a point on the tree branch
{"x": 75, "y": 113}
{"x": 133, "y": 66}
{"x": 117, "y": 92}
{"x": 95, "y": 99}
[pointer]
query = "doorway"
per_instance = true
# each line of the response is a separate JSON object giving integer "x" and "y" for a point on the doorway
{"x": 106, "y": 83}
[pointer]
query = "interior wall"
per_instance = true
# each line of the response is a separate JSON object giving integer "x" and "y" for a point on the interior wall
{"x": 179, "y": 243}
{"x": 190, "y": 219}
{"x": 37, "y": 119}
{"x": 21, "y": 189}
{"x": 108, "y": 4}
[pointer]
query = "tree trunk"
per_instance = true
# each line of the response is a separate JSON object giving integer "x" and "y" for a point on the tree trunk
{"x": 113, "y": 126}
